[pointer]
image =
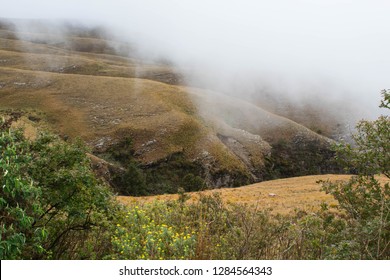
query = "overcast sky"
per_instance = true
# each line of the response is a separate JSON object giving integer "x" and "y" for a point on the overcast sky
{"x": 340, "y": 48}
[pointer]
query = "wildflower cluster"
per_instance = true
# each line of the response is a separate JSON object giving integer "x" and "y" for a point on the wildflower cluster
{"x": 141, "y": 237}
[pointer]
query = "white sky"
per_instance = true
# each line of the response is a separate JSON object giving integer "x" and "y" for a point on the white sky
{"x": 340, "y": 47}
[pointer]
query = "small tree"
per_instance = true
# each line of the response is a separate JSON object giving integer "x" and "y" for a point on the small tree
{"x": 365, "y": 198}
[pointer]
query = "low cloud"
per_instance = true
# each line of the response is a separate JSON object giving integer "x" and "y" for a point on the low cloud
{"x": 318, "y": 52}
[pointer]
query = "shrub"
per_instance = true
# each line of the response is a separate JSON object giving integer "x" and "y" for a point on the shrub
{"x": 52, "y": 206}
{"x": 364, "y": 199}
{"x": 19, "y": 201}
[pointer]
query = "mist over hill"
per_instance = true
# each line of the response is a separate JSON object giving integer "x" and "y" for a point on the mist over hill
{"x": 254, "y": 92}
{"x": 142, "y": 120}
{"x": 328, "y": 56}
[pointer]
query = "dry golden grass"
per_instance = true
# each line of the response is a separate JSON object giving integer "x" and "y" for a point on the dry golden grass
{"x": 280, "y": 196}
{"x": 30, "y": 129}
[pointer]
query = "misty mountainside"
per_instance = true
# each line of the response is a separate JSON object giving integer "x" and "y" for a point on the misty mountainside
{"x": 144, "y": 124}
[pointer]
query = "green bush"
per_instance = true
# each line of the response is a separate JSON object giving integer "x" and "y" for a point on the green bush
{"x": 52, "y": 206}
{"x": 19, "y": 202}
{"x": 363, "y": 198}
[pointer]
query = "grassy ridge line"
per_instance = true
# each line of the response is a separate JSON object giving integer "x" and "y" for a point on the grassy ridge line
{"x": 87, "y": 64}
{"x": 81, "y": 58}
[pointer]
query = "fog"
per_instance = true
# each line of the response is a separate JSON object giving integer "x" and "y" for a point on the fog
{"x": 324, "y": 52}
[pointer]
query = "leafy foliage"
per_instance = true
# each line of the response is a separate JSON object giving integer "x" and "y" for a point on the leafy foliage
{"x": 19, "y": 203}
{"x": 365, "y": 200}
{"x": 51, "y": 201}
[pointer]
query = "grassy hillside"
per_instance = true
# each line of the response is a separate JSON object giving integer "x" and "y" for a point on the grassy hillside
{"x": 91, "y": 87}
